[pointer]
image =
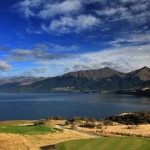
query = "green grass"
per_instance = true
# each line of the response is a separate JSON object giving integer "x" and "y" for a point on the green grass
{"x": 107, "y": 143}
{"x": 27, "y": 129}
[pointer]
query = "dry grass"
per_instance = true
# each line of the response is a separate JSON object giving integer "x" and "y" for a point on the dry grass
{"x": 30, "y": 142}
{"x": 14, "y": 142}
{"x": 34, "y": 142}
{"x": 52, "y": 123}
{"x": 15, "y": 122}
{"x": 143, "y": 130}
{"x": 140, "y": 130}
{"x": 30, "y": 122}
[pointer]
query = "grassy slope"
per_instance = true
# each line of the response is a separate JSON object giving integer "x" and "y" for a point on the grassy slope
{"x": 26, "y": 129}
{"x": 107, "y": 143}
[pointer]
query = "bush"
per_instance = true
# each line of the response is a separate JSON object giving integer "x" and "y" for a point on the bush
{"x": 99, "y": 126}
{"x": 108, "y": 123}
{"x": 88, "y": 125}
{"x": 56, "y": 118}
{"x": 59, "y": 118}
{"x": 132, "y": 127}
{"x": 80, "y": 119}
{"x": 73, "y": 126}
{"x": 67, "y": 123}
{"x": 39, "y": 123}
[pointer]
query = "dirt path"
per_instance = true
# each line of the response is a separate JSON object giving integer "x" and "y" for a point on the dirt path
{"x": 92, "y": 135}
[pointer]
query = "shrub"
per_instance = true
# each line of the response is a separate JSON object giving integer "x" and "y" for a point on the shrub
{"x": 39, "y": 123}
{"x": 88, "y": 125}
{"x": 67, "y": 123}
{"x": 59, "y": 118}
{"x": 80, "y": 119}
{"x": 108, "y": 123}
{"x": 73, "y": 126}
{"x": 56, "y": 118}
{"x": 132, "y": 127}
{"x": 99, "y": 126}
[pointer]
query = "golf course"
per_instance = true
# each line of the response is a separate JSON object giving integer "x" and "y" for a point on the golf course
{"x": 54, "y": 134}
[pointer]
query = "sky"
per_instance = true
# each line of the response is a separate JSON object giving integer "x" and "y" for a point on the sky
{"x": 53, "y": 37}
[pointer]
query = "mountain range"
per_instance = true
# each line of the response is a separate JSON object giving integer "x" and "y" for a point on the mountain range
{"x": 105, "y": 79}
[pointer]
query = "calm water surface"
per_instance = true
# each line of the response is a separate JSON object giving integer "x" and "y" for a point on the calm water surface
{"x": 38, "y": 106}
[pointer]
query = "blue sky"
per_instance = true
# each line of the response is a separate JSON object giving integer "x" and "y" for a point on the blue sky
{"x": 52, "y": 37}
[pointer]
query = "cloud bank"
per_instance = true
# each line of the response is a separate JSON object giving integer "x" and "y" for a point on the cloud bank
{"x": 123, "y": 59}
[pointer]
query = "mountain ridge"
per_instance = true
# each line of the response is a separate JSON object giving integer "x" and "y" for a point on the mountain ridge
{"x": 143, "y": 73}
{"x": 105, "y": 79}
{"x": 95, "y": 74}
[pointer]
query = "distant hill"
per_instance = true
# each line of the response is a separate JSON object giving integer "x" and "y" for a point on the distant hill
{"x": 23, "y": 80}
{"x": 105, "y": 79}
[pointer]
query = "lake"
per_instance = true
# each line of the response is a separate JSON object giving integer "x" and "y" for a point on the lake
{"x": 39, "y": 106}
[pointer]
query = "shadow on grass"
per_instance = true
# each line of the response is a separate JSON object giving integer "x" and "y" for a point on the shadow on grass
{"x": 49, "y": 147}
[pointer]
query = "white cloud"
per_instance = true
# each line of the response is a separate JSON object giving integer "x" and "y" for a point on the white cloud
{"x": 64, "y": 7}
{"x": 69, "y": 24}
{"x": 66, "y": 16}
{"x": 133, "y": 1}
{"x": 134, "y": 39}
{"x": 141, "y": 7}
{"x": 47, "y": 9}
{"x": 58, "y": 47}
{"x": 40, "y": 53}
{"x": 4, "y": 66}
{"x": 63, "y": 16}
{"x": 111, "y": 11}
{"x": 123, "y": 59}
{"x": 126, "y": 1}
{"x": 27, "y": 7}
{"x": 137, "y": 13}
{"x": 22, "y": 52}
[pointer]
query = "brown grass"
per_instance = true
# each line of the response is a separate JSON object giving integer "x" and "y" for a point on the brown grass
{"x": 14, "y": 142}
{"x": 140, "y": 130}
{"x": 15, "y": 122}
{"x": 34, "y": 142}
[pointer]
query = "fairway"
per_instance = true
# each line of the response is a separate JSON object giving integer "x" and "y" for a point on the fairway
{"x": 26, "y": 129}
{"x": 107, "y": 143}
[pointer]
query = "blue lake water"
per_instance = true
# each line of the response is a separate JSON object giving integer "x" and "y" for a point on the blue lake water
{"x": 39, "y": 106}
